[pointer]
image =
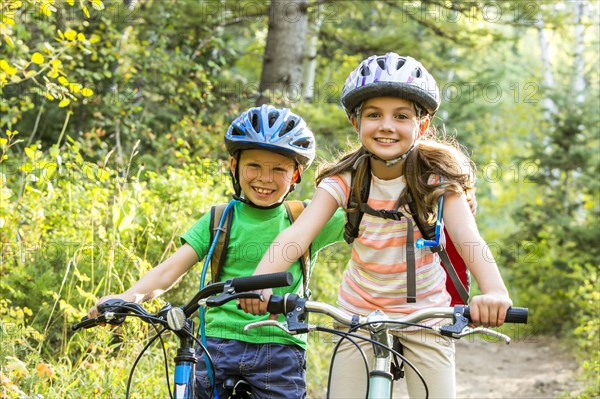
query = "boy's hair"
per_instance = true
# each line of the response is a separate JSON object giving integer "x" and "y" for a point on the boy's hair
{"x": 431, "y": 157}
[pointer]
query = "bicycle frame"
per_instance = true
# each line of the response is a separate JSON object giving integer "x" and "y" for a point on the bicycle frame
{"x": 379, "y": 324}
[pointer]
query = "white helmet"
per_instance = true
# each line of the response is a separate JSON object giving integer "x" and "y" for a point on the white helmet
{"x": 390, "y": 75}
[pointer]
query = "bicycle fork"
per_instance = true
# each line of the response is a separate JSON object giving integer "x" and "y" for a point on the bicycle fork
{"x": 185, "y": 365}
{"x": 380, "y": 376}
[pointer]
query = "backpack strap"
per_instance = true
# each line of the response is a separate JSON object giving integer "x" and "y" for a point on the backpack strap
{"x": 353, "y": 218}
{"x": 220, "y": 253}
{"x": 428, "y": 232}
{"x": 294, "y": 208}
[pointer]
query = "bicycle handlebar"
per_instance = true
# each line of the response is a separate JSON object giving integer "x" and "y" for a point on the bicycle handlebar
{"x": 114, "y": 311}
{"x": 296, "y": 308}
{"x": 283, "y": 305}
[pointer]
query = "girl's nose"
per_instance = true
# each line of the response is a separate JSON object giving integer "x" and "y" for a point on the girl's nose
{"x": 386, "y": 125}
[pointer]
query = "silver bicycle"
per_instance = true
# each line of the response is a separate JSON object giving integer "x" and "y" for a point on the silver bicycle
{"x": 378, "y": 324}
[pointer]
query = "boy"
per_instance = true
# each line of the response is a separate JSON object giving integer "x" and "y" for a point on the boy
{"x": 269, "y": 148}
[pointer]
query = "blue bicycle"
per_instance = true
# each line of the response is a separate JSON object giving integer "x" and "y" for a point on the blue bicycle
{"x": 179, "y": 321}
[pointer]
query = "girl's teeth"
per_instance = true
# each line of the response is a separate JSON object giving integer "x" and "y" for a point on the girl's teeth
{"x": 387, "y": 140}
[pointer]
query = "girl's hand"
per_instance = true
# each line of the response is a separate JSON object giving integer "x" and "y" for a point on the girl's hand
{"x": 257, "y": 306}
{"x": 489, "y": 310}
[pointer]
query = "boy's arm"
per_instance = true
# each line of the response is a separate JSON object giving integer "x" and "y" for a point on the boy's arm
{"x": 490, "y": 308}
{"x": 157, "y": 280}
{"x": 291, "y": 243}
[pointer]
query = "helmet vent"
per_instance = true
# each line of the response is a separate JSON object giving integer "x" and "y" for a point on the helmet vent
{"x": 417, "y": 72}
{"x": 288, "y": 128}
{"x": 302, "y": 143}
{"x": 365, "y": 71}
{"x": 381, "y": 62}
{"x": 272, "y": 118}
{"x": 255, "y": 122}
{"x": 237, "y": 132}
{"x": 400, "y": 63}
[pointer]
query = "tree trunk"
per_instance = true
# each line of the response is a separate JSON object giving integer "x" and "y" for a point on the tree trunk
{"x": 309, "y": 66}
{"x": 282, "y": 62}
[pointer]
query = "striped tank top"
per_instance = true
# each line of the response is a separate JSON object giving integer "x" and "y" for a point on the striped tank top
{"x": 375, "y": 277}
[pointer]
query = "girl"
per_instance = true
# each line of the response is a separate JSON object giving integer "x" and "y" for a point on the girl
{"x": 390, "y": 101}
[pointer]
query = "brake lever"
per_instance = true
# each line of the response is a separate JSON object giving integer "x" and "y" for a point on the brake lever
{"x": 484, "y": 331}
{"x": 274, "y": 323}
{"x": 226, "y": 297}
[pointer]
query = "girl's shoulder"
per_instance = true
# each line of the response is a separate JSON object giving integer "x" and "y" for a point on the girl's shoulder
{"x": 341, "y": 179}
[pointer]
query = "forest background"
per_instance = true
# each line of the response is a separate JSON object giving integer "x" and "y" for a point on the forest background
{"x": 112, "y": 119}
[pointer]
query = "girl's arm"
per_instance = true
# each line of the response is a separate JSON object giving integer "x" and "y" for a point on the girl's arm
{"x": 157, "y": 280}
{"x": 490, "y": 308}
{"x": 291, "y": 243}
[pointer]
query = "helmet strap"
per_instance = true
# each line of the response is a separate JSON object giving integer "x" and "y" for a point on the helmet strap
{"x": 394, "y": 161}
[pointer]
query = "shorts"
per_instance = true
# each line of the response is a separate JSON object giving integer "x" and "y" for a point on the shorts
{"x": 274, "y": 371}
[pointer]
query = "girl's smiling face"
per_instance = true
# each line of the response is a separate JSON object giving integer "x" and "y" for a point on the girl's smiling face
{"x": 265, "y": 176}
{"x": 389, "y": 126}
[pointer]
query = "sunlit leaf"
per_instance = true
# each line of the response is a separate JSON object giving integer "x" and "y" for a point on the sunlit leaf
{"x": 86, "y": 92}
{"x": 64, "y": 102}
{"x": 71, "y": 35}
{"x": 37, "y": 58}
{"x": 7, "y": 68}
{"x": 75, "y": 87}
{"x": 98, "y": 5}
{"x": 30, "y": 152}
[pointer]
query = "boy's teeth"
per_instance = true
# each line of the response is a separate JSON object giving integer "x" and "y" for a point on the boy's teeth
{"x": 263, "y": 191}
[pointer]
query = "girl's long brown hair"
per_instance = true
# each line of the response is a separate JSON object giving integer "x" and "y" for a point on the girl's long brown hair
{"x": 432, "y": 156}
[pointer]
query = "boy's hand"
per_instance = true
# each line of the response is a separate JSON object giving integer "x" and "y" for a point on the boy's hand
{"x": 93, "y": 312}
{"x": 489, "y": 310}
{"x": 257, "y": 306}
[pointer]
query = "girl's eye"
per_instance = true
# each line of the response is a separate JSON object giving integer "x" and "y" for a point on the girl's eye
{"x": 372, "y": 115}
{"x": 401, "y": 116}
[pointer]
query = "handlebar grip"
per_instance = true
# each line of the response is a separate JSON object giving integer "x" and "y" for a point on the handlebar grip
{"x": 517, "y": 315}
{"x": 513, "y": 315}
{"x": 84, "y": 323}
{"x": 262, "y": 281}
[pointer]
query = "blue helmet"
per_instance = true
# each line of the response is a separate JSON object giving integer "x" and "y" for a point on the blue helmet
{"x": 273, "y": 129}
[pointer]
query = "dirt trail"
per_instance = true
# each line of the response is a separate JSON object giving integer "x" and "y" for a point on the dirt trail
{"x": 529, "y": 368}
{"x": 533, "y": 367}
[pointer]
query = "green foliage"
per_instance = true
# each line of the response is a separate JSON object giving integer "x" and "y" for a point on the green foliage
{"x": 111, "y": 125}
{"x": 106, "y": 227}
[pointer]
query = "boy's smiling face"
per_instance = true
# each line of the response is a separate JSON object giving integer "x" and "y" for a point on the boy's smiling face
{"x": 265, "y": 176}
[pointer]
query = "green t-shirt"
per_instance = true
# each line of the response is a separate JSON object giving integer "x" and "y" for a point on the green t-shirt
{"x": 251, "y": 234}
